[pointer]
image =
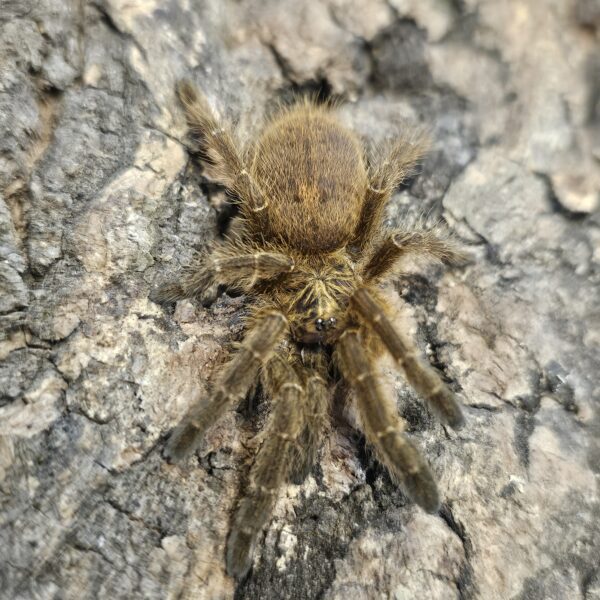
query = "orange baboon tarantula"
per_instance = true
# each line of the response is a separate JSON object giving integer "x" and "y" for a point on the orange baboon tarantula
{"x": 309, "y": 249}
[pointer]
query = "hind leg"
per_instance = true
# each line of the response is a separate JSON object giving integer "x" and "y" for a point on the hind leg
{"x": 394, "y": 162}
{"x": 225, "y": 161}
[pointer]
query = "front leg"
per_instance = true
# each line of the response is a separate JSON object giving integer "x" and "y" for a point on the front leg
{"x": 271, "y": 467}
{"x": 234, "y": 265}
{"x": 236, "y": 378}
{"x": 315, "y": 414}
{"x": 421, "y": 376}
{"x": 383, "y": 427}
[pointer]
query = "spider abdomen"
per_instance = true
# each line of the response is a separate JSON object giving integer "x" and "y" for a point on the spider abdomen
{"x": 312, "y": 173}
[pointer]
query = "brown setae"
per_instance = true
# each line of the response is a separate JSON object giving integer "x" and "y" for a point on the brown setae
{"x": 310, "y": 250}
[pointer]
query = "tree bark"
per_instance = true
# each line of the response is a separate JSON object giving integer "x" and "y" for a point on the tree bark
{"x": 99, "y": 200}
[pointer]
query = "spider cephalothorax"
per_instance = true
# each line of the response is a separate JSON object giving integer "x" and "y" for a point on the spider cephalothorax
{"x": 317, "y": 299}
{"x": 309, "y": 249}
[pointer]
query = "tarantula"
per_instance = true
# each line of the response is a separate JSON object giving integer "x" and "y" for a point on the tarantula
{"x": 309, "y": 248}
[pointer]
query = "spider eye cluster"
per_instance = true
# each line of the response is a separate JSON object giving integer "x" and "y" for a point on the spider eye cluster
{"x": 323, "y": 324}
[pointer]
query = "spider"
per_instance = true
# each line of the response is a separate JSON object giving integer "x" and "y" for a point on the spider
{"x": 309, "y": 249}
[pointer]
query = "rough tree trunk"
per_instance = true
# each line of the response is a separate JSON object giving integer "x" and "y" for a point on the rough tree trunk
{"x": 99, "y": 199}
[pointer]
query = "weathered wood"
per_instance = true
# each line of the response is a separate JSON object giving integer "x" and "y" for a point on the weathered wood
{"x": 99, "y": 202}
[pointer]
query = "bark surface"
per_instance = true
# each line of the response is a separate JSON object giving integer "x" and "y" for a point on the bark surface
{"x": 99, "y": 200}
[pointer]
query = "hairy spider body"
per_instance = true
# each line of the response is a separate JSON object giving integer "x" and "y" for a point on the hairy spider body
{"x": 309, "y": 249}
{"x": 301, "y": 154}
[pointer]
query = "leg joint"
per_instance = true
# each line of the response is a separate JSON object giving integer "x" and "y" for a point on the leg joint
{"x": 364, "y": 375}
{"x": 292, "y": 385}
{"x": 387, "y": 431}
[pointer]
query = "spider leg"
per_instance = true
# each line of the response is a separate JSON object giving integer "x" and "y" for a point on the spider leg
{"x": 422, "y": 377}
{"x": 217, "y": 140}
{"x": 271, "y": 467}
{"x": 429, "y": 243}
{"x": 232, "y": 265}
{"x": 394, "y": 163}
{"x": 315, "y": 409}
{"x": 382, "y": 425}
{"x": 233, "y": 383}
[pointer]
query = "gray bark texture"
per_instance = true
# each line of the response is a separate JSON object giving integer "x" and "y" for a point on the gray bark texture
{"x": 99, "y": 200}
